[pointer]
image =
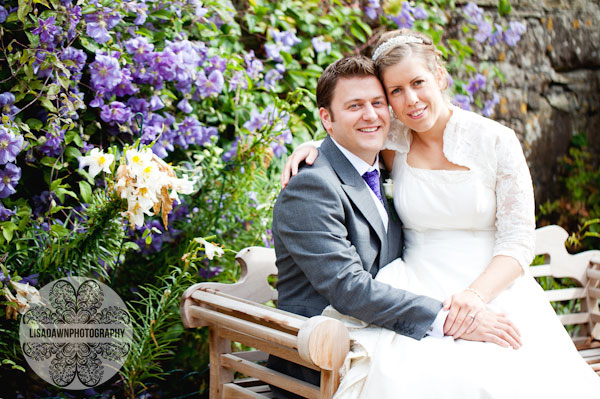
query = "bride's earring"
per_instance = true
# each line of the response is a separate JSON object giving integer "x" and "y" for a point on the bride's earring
{"x": 392, "y": 113}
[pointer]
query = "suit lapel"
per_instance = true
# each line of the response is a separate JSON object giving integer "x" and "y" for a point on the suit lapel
{"x": 358, "y": 192}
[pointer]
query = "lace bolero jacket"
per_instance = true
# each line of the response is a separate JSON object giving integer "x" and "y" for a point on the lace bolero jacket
{"x": 494, "y": 153}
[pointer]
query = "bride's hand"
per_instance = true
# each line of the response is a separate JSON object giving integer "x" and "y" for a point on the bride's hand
{"x": 305, "y": 152}
{"x": 463, "y": 310}
{"x": 496, "y": 328}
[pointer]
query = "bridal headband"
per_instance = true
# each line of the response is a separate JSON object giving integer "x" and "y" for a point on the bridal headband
{"x": 394, "y": 42}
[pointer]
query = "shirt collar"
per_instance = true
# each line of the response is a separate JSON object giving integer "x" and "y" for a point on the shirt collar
{"x": 360, "y": 165}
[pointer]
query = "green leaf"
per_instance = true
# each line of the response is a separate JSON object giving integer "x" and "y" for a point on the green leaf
{"x": 48, "y": 104}
{"x": 161, "y": 14}
{"x": 34, "y": 124}
{"x": 357, "y": 32}
{"x": 61, "y": 192}
{"x": 504, "y": 7}
{"x": 61, "y": 230}
{"x": 24, "y": 9}
{"x": 86, "y": 191}
{"x": 72, "y": 152}
{"x": 50, "y": 162}
{"x": 91, "y": 46}
{"x": 8, "y": 229}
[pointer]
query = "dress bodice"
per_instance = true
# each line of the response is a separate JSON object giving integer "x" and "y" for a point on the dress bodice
{"x": 442, "y": 199}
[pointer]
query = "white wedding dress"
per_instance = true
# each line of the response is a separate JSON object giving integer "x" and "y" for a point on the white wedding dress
{"x": 451, "y": 231}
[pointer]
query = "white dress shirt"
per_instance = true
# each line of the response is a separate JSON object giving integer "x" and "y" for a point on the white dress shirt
{"x": 362, "y": 167}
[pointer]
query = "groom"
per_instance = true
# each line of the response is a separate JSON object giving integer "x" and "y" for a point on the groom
{"x": 333, "y": 230}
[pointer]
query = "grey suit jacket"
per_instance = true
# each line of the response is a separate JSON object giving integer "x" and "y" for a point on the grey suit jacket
{"x": 330, "y": 243}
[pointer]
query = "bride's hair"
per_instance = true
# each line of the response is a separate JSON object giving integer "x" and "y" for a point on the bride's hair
{"x": 390, "y": 52}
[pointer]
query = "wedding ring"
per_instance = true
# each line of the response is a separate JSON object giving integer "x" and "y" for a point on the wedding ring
{"x": 471, "y": 316}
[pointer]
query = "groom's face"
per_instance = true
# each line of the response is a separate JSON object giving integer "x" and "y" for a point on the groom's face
{"x": 358, "y": 118}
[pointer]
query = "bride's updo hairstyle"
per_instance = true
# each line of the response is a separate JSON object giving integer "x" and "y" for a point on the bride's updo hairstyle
{"x": 397, "y": 45}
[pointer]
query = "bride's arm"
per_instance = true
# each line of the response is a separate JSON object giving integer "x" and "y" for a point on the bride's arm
{"x": 515, "y": 237}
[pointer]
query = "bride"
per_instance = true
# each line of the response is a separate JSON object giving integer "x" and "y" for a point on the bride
{"x": 463, "y": 192}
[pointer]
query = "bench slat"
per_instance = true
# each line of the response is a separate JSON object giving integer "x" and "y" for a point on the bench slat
{"x": 233, "y": 391}
{"x": 565, "y": 294}
{"x": 266, "y": 346}
{"x": 540, "y": 271}
{"x": 235, "y": 323}
{"x": 574, "y": 318}
{"x": 271, "y": 377}
{"x": 262, "y": 312}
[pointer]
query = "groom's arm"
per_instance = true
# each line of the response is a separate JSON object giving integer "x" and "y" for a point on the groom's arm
{"x": 309, "y": 221}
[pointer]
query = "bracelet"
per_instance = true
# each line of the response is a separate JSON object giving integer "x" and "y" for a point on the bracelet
{"x": 474, "y": 291}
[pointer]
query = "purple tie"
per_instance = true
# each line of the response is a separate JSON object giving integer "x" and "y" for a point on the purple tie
{"x": 372, "y": 179}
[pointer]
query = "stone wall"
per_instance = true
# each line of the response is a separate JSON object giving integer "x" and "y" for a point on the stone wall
{"x": 552, "y": 87}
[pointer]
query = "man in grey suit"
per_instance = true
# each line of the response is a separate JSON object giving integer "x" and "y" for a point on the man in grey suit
{"x": 333, "y": 230}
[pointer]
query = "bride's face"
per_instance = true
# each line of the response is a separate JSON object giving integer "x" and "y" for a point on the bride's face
{"x": 415, "y": 95}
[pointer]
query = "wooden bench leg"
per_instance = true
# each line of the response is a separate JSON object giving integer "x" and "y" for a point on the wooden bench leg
{"x": 218, "y": 374}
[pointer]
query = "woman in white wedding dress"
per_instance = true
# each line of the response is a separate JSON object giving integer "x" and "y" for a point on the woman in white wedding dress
{"x": 463, "y": 192}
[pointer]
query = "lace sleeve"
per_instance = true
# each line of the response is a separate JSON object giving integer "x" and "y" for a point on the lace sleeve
{"x": 398, "y": 138}
{"x": 515, "y": 208}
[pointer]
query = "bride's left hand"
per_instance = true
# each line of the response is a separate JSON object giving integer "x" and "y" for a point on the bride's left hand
{"x": 462, "y": 316}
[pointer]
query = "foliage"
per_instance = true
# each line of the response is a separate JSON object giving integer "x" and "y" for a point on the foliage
{"x": 216, "y": 89}
{"x": 578, "y": 208}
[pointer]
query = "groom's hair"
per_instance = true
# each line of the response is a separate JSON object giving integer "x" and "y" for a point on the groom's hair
{"x": 347, "y": 67}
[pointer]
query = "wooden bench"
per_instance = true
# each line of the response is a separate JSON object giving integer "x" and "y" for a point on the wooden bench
{"x": 235, "y": 313}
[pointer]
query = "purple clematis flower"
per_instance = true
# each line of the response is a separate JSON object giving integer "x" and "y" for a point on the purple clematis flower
{"x": 488, "y": 108}
{"x": 5, "y": 213}
{"x": 419, "y": 13}
{"x": 405, "y": 18}
{"x": 79, "y": 57}
{"x": 484, "y": 31}
{"x": 211, "y": 85}
{"x": 321, "y": 45}
{"x": 496, "y": 37}
{"x": 513, "y": 34}
{"x": 7, "y": 107}
{"x": 140, "y": 48}
{"x": 238, "y": 79}
{"x": 98, "y": 24}
{"x": 473, "y": 13}
{"x": 3, "y": 14}
{"x": 253, "y": 66}
{"x": 126, "y": 86}
{"x": 105, "y": 73}
{"x": 185, "y": 106}
{"x": 372, "y": 8}
{"x": 52, "y": 147}
{"x": 463, "y": 101}
{"x": 116, "y": 111}
{"x": 156, "y": 103}
{"x": 9, "y": 177}
{"x": 47, "y": 30}
{"x": 10, "y": 145}
{"x": 475, "y": 84}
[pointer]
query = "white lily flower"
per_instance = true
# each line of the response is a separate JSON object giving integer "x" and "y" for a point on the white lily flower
{"x": 137, "y": 161}
{"x": 210, "y": 249}
{"x": 97, "y": 161}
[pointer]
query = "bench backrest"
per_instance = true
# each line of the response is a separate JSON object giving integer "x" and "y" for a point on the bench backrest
{"x": 559, "y": 263}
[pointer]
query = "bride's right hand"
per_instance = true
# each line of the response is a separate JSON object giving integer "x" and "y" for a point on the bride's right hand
{"x": 305, "y": 152}
{"x": 496, "y": 328}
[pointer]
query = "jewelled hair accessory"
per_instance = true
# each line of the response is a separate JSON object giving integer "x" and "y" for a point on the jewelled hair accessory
{"x": 394, "y": 42}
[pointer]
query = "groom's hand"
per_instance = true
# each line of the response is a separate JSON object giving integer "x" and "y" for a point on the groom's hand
{"x": 496, "y": 328}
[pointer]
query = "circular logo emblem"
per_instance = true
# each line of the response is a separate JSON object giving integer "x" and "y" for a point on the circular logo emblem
{"x": 79, "y": 335}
